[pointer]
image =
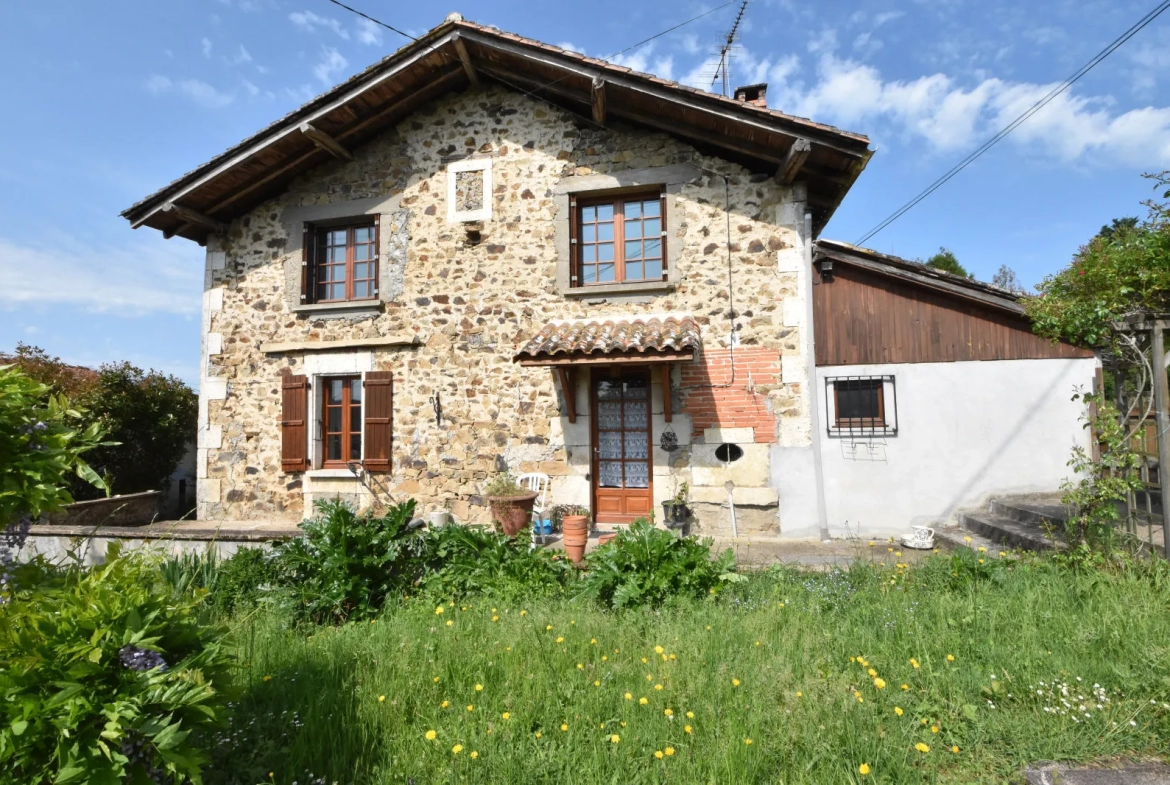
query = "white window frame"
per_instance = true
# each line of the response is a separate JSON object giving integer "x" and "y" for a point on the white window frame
{"x": 470, "y": 165}
{"x": 317, "y": 368}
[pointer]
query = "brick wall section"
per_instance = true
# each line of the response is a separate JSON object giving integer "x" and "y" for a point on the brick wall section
{"x": 733, "y": 406}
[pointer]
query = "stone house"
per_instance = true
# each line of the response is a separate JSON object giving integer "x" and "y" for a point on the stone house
{"x": 484, "y": 252}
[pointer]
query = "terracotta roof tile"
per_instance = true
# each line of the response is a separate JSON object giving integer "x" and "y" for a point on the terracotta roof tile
{"x": 637, "y": 335}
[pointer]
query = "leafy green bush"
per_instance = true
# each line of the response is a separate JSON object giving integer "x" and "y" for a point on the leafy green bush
{"x": 239, "y": 580}
{"x": 106, "y": 676}
{"x": 40, "y": 447}
{"x": 645, "y": 565}
{"x": 474, "y": 560}
{"x": 346, "y": 565}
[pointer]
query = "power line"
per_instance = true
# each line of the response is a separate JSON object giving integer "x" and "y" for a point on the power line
{"x": 1036, "y": 107}
{"x": 372, "y": 19}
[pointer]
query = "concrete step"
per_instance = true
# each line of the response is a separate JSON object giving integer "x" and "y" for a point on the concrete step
{"x": 953, "y": 537}
{"x": 1034, "y": 513}
{"x": 1009, "y": 532}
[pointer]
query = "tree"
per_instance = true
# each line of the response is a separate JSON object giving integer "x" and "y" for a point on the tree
{"x": 1005, "y": 278}
{"x": 1121, "y": 272}
{"x": 946, "y": 261}
{"x": 1119, "y": 225}
{"x": 149, "y": 418}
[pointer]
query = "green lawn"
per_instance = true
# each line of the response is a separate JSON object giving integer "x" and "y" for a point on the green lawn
{"x": 765, "y": 683}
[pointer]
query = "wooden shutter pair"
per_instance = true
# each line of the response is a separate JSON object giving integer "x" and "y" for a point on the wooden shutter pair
{"x": 378, "y": 405}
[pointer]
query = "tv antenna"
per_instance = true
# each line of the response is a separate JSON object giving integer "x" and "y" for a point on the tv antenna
{"x": 723, "y": 70}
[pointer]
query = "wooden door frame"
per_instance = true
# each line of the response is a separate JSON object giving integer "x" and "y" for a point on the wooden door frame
{"x": 595, "y": 372}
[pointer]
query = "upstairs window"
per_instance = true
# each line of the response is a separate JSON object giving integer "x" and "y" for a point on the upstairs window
{"x": 340, "y": 262}
{"x": 619, "y": 239}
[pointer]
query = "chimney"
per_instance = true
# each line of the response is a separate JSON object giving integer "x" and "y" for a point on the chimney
{"x": 755, "y": 94}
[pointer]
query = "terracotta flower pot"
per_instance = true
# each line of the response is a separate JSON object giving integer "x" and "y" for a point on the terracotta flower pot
{"x": 606, "y": 539}
{"x": 513, "y": 513}
{"x": 576, "y": 529}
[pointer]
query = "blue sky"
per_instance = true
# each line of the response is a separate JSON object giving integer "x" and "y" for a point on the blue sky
{"x": 109, "y": 101}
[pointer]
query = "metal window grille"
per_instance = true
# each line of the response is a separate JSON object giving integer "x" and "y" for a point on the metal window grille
{"x": 860, "y": 407}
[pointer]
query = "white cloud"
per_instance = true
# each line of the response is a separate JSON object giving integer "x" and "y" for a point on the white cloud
{"x": 572, "y": 47}
{"x": 309, "y": 22}
{"x": 301, "y": 94}
{"x": 241, "y": 56}
{"x": 158, "y": 84}
{"x": 950, "y": 116}
{"x": 148, "y": 276}
{"x": 330, "y": 64}
{"x": 369, "y": 33}
{"x": 643, "y": 60}
{"x": 204, "y": 94}
{"x": 888, "y": 16}
{"x": 206, "y": 47}
{"x": 866, "y": 43}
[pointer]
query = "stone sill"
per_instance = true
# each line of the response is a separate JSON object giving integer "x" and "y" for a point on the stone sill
{"x": 332, "y": 474}
{"x": 370, "y": 307}
{"x": 278, "y": 347}
{"x": 168, "y": 531}
{"x": 621, "y": 288}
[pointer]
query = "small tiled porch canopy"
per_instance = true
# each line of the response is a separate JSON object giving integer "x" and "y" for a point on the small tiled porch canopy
{"x": 567, "y": 345}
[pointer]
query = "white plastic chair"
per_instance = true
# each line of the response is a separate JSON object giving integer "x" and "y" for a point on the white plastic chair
{"x": 537, "y": 482}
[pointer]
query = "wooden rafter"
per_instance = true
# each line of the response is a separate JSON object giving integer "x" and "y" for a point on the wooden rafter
{"x": 793, "y": 162}
{"x": 465, "y": 58}
{"x": 598, "y": 100}
{"x": 325, "y": 142}
{"x": 195, "y": 217}
{"x": 568, "y": 377}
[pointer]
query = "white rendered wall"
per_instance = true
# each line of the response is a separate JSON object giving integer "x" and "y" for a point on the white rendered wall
{"x": 966, "y": 430}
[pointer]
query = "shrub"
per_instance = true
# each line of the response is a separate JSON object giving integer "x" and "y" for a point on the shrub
{"x": 346, "y": 565}
{"x": 645, "y": 565}
{"x": 239, "y": 580}
{"x": 471, "y": 559}
{"x": 105, "y": 676}
{"x": 503, "y": 484}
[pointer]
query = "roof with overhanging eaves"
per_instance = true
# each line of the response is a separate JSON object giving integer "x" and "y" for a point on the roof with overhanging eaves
{"x": 643, "y": 338}
{"x": 459, "y": 54}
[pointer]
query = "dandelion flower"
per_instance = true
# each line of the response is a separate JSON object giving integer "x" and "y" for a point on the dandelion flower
{"x": 444, "y": 705}
{"x": 690, "y": 715}
{"x": 860, "y": 699}
{"x": 905, "y": 686}
{"x": 898, "y": 711}
{"x": 580, "y": 666}
{"x": 955, "y": 749}
{"x": 934, "y": 729}
{"x": 450, "y": 623}
{"x": 473, "y": 755}
{"x": 604, "y": 658}
{"x": 267, "y": 678}
{"x": 494, "y": 618}
{"x": 658, "y": 754}
{"x": 950, "y": 658}
{"x": 523, "y": 613}
{"x": 548, "y": 627}
{"x": 967, "y": 538}
{"x": 673, "y": 657}
{"x": 381, "y": 699}
{"x": 439, "y": 611}
{"x": 643, "y": 701}
{"x": 431, "y": 735}
{"x": 506, "y": 715}
{"x": 981, "y": 561}
{"x": 879, "y": 683}
{"x": 458, "y": 748}
{"x": 735, "y": 682}
{"x": 644, "y": 660}
{"x": 922, "y": 747}
{"x": 687, "y": 729}
{"x": 593, "y": 641}
{"x": 982, "y": 549}
{"x": 1003, "y": 553}
{"x": 564, "y": 726}
{"x": 628, "y": 696}
{"x": 799, "y": 694}
{"x": 470, "y": 707}
{"x": 668, "y": 712}
{"x": 560, "y": 639}
{"x": 657, "y": 649}
{"x": 614, "y": 739}
{"x": 658, "y": 687}
{"x": 863, "y": 769}
{"x": 871, "y": 672}
{"x": 747, "y": 741}
{"x": 913, "y": 663}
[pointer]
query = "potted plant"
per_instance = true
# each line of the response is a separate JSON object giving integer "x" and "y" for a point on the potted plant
{"x": 675, "y": 510}
{"x": 510, "y": 503}
{"x": 575, "y": 522}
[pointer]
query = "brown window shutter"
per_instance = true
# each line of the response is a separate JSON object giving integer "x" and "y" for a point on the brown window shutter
{"x": 294, "y": 416}
{"x": 574, "y": 245}
{"x": 378, "y": 398}
{"x": 377, "y": 251}
{"x": 308, "y": 241}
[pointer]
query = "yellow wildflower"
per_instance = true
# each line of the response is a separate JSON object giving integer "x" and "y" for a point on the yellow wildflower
{"x": 604, "y": 658}
{"x": 864, "y": 769}
{"x": 658, "y": 687}
{"x": 950, "y": 658}
{"x": 479, "y": 688}
{"x": 871, "y": 672}
{"x": 548, "y": 627}
{"x": 444, "y": 705}
{"x": 898, "y": 710}
{"x": 580, "y": 666}
{"x": 439, "y": 611}
{"x": 470, "y": 707}
{"x": 560, "y": 639}
{"x": 735, "y": 682}
{"x": 967, "y": 538}
{"x": 982, "y": 549}
{"x": 538, "y": 734}
{"x": 450, "y": 623}
{"x": 673, "y": 657}
{"x": 657, "y": 649}
{"x": 458, "y": 748}
{"x": 799, "y": 694}
{"x": 934, "y": 729}
{"x": 596, "y": 683}
{"x": 267, "y": 678}
{"x": 905, "y": 686}
{"x": 615, "y": 738}
{"x": 644, "y": 660}
{"x": 381, "y": 699}
{"x": 473, "y": 755}
{"x": 506, "y": 715}
{"x": 955, "y": 748}
{"x": 643, "y": 701}
{"x": 494, "y": 618}
{"x": 593, "y": 641}
{"x": 747, "y": 741}
{"x": 922, "y": 747}
{"x": 879, "y": 683}
{"x": 658, "y": 754}
{"x": 628, "y": 696}
{"x": 564, "y": 726}
{"x": 523, "y": 613}
{"x": 913, "y": 663}
{"x": 431, "y": 735}
{"x": 687, "y": 729}
{"x": 669, "y": 751}
{"x": 668, "y": 712}
{"x": 690, "y": 715}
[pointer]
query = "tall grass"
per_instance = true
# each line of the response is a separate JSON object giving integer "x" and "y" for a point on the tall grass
{"x": 771, "y": 680}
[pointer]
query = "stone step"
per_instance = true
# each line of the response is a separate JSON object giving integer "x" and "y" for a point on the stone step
{"x": 953, "y": 537}
{"x": 1009, "y": 532}
{"x": 1036, "y": 514}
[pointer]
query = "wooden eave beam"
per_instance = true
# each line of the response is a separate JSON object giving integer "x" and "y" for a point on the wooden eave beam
{"x": 325, "y": 142}
{"x": 568, "y": 377}
{"x": 195, "y": 217}
{"x": 798, "y": 153}
{"x": 465, "y": 59}
{"x": 598, "y": 100}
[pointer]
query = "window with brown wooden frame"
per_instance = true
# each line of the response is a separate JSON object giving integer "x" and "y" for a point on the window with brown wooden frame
{"x": 341, "y": 420}
{"x": 862, "y": 406}
{"x": 344, "y": 262}
{"x": 619, "y": 239}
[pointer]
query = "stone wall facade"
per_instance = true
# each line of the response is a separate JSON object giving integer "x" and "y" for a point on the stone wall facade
{"x": 455, "y": 305}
